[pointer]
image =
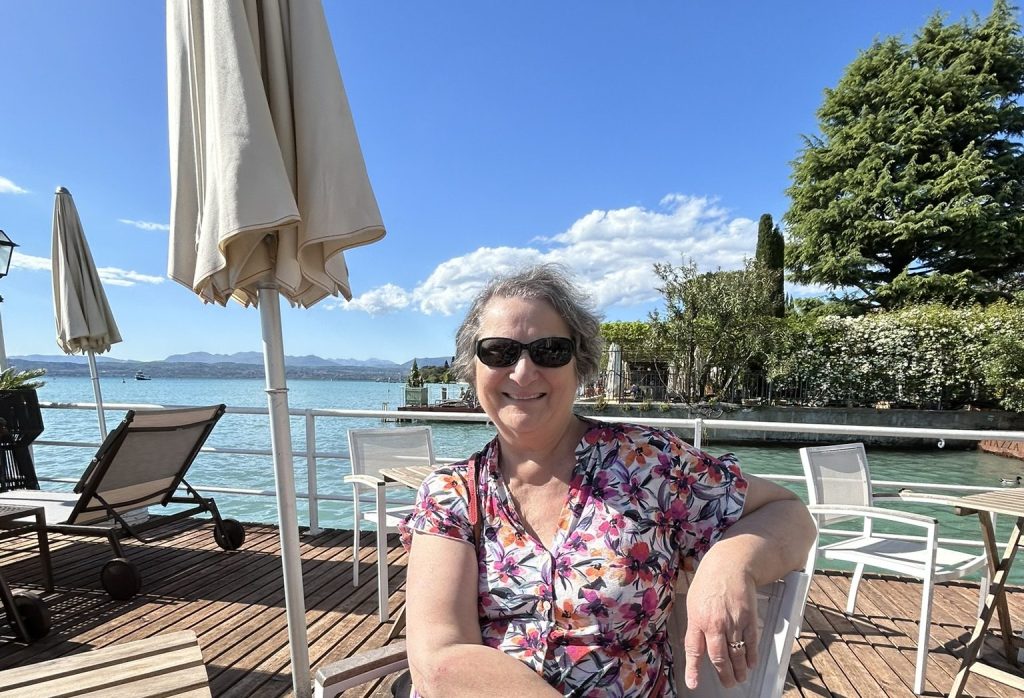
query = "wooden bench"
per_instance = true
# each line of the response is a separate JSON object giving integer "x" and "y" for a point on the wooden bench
{"x": 164, "y": 665}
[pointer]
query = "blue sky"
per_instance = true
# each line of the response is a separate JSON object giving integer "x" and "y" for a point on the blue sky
{"x": 603, "y": 135}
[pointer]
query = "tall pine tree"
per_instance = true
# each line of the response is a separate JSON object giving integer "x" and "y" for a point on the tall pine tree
{"x": 914, "y": 190}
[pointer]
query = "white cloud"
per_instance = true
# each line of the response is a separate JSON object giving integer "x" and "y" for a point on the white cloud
{"x": 9, "y": 187}
{"x": 27, "y": 261}
{"x": 386, "y": 299}
{"x": 126, "y": 277}
{"x": 144, "y": 225}
{"x": 108, "y": 275}
{"x": 611, "y": 252}
{"x": 809, "y": 290}
{"x": 454, "y": 283}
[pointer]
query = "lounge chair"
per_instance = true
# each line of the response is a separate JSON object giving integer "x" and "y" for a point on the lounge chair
{"x": 26, "y": 611}
{"x": 141, "y": 463}
{"x": 161, "y": 666}
{"x": 780, "y": 610}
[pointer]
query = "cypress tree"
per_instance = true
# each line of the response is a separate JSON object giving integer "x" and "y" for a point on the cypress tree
{"x": 770, "y": 255}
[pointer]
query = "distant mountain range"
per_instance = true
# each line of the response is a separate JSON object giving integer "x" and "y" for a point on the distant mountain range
{"x": 245, "y": 364}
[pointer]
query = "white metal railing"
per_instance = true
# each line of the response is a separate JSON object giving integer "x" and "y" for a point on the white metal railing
{"x": 311, "y": 453}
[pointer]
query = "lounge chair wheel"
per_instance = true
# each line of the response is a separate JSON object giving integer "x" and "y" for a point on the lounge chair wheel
{"x": 121, "y": 578}
{"x": 35, "y": 615}
{"x": 229, "y": 534}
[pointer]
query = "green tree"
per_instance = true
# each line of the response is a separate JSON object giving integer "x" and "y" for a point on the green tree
{"x": 636, "y": 338}
{"x": 719, "y": 323}
{"x": 918, "y": 171}
{"x": 415, "y": 379}
{"x": 771, "y": 255}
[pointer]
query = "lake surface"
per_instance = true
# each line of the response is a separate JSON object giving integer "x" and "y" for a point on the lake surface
{"x": 451, "y": 440}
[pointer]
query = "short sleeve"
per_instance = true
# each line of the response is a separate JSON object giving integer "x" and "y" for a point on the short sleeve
{"x": 713, "y": 495}
{"x": 441, "y": 509}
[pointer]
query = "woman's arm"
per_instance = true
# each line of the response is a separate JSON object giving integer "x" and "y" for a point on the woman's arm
{"x": 771, "y": 538}
{"x": 446, "y": 656}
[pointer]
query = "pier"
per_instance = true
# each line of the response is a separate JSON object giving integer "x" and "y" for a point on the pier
{"x": 234, "y": 603}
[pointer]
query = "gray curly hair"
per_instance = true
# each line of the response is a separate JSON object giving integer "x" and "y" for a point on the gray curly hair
{"x": 548, "y": 282}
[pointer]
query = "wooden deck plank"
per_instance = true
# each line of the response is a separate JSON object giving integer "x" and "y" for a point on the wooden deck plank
{"x": 234, "y": 603}
{"x": 893, "y": 663}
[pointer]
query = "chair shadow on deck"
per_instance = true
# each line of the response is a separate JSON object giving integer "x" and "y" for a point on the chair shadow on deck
{"x": 886, "y": 629}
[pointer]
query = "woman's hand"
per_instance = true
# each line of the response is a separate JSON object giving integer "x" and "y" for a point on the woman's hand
{"x": 721, "y": 621}
{"x": 772, "y": 537}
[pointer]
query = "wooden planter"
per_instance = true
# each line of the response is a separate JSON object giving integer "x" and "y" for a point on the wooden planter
{"x": 21, "y": 422}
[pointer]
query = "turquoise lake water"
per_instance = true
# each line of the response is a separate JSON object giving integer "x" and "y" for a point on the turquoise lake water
{"x": 450, "y": 441}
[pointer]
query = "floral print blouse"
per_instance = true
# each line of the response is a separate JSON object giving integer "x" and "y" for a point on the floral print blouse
{"x": 590, "y": 614}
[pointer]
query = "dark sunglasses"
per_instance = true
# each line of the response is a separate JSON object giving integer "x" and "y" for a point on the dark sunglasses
{"x": 549, "y": 352}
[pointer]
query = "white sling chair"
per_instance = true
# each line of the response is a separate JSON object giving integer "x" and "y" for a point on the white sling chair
{"x": 780, "y": 610}
{"x": 372, "y": 450}
{"x": 839, "y": 488}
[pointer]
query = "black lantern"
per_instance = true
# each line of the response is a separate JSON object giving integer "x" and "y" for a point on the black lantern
{"x": 6, "y": 250}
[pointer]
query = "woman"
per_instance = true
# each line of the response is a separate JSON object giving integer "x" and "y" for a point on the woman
{"x": 565, "y": 585}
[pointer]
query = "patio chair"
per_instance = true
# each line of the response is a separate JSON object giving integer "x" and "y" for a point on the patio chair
{"x": 839, "y": 489}
{"x": 372, "y": 450}
{"x": 141, "y": 463}
{"x": 780, "y": 610}
{"x": 162, "y": 666}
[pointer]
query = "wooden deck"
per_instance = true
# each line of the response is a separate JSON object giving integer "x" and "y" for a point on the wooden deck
{"x": 234, "y": 603}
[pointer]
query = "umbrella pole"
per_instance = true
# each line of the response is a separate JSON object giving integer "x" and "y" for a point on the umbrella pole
{"x": 96, "y": 392}
{"x": 3, "y": 350}
{"x": 288, "y": 526}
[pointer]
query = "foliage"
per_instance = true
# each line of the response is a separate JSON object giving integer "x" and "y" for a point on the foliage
{"x": 770, "y": 254}
{"x": 717, "y": 322}
{"x": 12, "y": 379}
{"x": 415, "y": 379}
{"x": 636, "y": 338}
{"x": 434, "y": 374}
{"x": 913, "y": 191}
{"x": 929, "y": 356}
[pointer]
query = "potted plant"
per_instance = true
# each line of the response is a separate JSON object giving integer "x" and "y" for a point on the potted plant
{"x": 12, "y": 379}
{"x": 415, "y": 391}
{"x": 21, "y": 421}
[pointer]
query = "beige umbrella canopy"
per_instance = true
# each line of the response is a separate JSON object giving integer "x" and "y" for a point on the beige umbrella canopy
{"x": 268, "y": 187}
{"x": 268, "y": 179}
{"x": 84, "y": 321}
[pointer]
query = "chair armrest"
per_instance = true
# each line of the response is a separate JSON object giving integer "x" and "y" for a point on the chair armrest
{"x": 929, "y": 498}
{"x": 904, "y": 517}
{"x": 370, "y": 480}
{"x": 360, "y": 668}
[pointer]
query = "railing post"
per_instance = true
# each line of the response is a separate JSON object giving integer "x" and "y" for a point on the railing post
{"x": 314, "y": 501}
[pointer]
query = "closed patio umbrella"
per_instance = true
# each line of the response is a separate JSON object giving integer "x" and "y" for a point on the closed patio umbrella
{"x": 268, "y": 187}
{"x": 84, "y": 321}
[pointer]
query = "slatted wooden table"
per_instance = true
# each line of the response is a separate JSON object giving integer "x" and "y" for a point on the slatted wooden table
{"x": 159, "y": 667}
{"x": 411, "y": 476}
{"x": 1009, "y": 502}
{"x": 13, "y": 522}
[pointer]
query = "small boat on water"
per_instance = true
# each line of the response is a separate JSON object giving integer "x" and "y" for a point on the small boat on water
{"x": 141, "y": 376}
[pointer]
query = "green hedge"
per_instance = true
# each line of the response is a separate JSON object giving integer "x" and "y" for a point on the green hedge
{"x": 929, "y": 356}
